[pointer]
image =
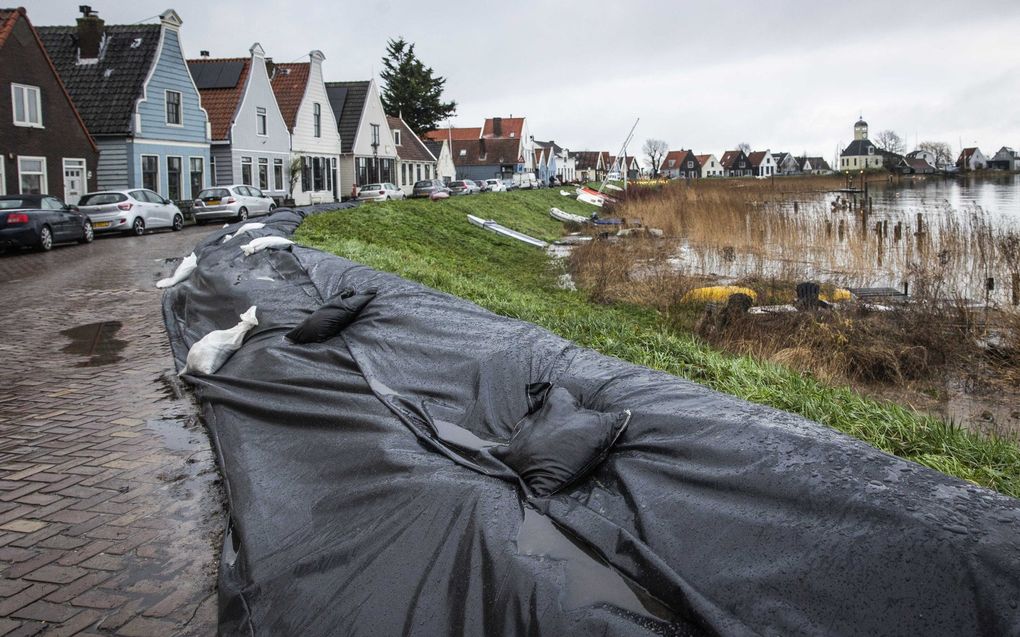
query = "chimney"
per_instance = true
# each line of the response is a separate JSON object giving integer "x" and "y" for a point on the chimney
{"x": 203, "y": 53}
{"x": 497, "y": 126}
{"x": 270, "y": 68}
{"x": 90, "y": 33}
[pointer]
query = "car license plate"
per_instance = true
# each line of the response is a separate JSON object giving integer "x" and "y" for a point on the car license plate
{"x": 102, "y": 224}
{"x": 213, "y": 202}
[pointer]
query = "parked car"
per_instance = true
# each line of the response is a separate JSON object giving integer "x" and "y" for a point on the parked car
{"x": 509, "y": 184}
{"x": 427, "y": 187}
{"x": 463, "y": 187}
{"x": 380, "y": 192}
{"x": 233, "y": 202}
{"x": 39, "y": 221}
{"x": 494, "y": 185}
{"x": 130, "y": 211}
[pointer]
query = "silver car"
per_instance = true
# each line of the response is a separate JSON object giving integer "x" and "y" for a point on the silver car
{"x": 130, "y": 211}
{"x": 234, "y": 202}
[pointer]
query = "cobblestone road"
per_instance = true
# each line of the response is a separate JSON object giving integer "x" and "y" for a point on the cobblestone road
{"x": 110, "y": 503}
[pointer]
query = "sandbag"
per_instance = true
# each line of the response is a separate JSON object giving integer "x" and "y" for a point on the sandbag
{"x": 264, "y": 242}
{"x": 183, "y": 271}
{"x": 251, "y": 225}
{"x": 327, "y": 321}
{"x": 212, "y": 350}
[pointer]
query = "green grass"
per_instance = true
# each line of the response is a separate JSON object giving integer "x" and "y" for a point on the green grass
{"x": 432, "y": 243}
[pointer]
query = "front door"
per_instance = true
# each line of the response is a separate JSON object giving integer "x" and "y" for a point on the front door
{"x": 74, "y": 180}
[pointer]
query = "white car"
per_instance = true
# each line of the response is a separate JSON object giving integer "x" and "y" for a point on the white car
{"x": 379, "y": 192}
{"x": 130, "y": 211}
{"x": 235, "y": 202}
{"x": 495, "y": 185}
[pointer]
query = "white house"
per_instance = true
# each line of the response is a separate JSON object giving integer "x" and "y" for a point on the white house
{"x": 369, "y": 152}
{"x": 314, "y": 139}
{"x": 762, "y": 163}
{"x": 972, "y": 159}
{"x": 861, "y": 154}
{"x": 445, "y": 168}
{"x": 710, "y": 166}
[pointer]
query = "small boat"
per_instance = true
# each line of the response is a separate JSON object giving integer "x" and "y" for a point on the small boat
{"x": 560, "y": 215}
{"x": 614, "y": 187}
{"x": 492, "y": 226}
{"x": 565, "y": 193}
{"x": 594, "y": 197}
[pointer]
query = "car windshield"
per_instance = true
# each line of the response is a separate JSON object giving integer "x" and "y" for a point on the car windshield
{"x": 372, "y": 187}
{"x": 17, "y": 203}
{"x": 423, "y": 184}
{"x": 101, "y": 198}
{"x": 213, "y": 193}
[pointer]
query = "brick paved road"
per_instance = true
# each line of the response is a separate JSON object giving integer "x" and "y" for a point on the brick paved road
{"x": 110, "y": 502}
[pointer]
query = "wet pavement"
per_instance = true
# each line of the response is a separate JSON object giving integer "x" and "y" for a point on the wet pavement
{"x": 111, "y": 510}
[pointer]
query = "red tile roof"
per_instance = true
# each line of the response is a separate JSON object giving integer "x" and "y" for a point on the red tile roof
{"x": 8, "y": 19}
{"x": 703, "y": 159}
{"x": 729, "y": 157}
{"x": 509, "y": 127}
{"x": 289, "y": 82}
{"x": 221, "y": 103}
{"x": 756, "y": 158}
{"x": 458, "y": 134}
{"x": 678, "y": 157}
{"x": 411, "y": 148}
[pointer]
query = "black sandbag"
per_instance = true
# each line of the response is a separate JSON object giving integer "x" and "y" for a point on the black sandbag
{"x": 710, "y": 515}
{"x": 329, "y": 319}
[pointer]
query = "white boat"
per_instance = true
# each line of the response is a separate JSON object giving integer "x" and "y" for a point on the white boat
{"x": 560, "y": 215}
{"x": 492, "y": 226}
{"x": 614, "y": 187}
{"x": 565, "y": 193}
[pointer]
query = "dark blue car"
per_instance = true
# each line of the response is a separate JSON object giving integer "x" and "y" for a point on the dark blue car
{"x": 39, "y": 221}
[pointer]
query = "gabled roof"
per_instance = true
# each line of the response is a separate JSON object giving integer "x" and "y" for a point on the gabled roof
{"x": 435, "y": 148}
{"x": 730, "y": 158}
{"x": 816, "y": 163}
{"x": 917, "y": 164}
{"x": 550, "y": 145}
{"x": 678, "y": 157}
{"x": 456, "y": 134}
{"x": 347, "y": 100}
{"x": 289, "y": 82}
{"x": 704, "y": 159}
{"x": 757, "y": 157}
{"x": 859, "y": 147}
{"x": 8, "y": 18}
{"x": 509, "y": 127}
{"x": 486, "y": 152}
{"x": 411, "y": 148}
{"x": 966, "y": 153}
{"x": 587, "y": 159}
{"x": 105, "y": 92}
{"x": 221, "y": 83}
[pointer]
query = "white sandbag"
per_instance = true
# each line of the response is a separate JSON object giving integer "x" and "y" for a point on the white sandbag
{"x": 183, "y": 271}
{"x": 212, "y": 350}
{"x": 264, "y": 242}
{"x": 251, "y": 225}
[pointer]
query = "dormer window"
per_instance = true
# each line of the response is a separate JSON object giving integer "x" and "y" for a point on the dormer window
{"x": 396, "y": 137}
{"x": 173, "y": 109}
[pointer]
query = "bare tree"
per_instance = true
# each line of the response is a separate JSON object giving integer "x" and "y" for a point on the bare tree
{"x": 943, "y": 152}
{"x": 745, "y": 147}
{"x": 890, "y": 141}
{"x": 655, "y": 150}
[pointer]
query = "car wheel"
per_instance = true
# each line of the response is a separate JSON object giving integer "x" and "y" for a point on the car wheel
{"x": 178, "y": 223}
{"x": 272, "y": 207}
{"x": 45, "y": 239}
{"x": 242, "y": 214}
{"x": 87, "y": 232}
{"x": 138, "y": 227}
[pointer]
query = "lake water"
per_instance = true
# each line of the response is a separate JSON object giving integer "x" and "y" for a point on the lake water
{"x": 997, "y": 196}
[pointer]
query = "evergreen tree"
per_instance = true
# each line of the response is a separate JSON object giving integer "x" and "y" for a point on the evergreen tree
{"x": 410, "y": 89}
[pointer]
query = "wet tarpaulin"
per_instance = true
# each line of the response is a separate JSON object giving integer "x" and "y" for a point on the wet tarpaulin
{"x": 436, "y": 469}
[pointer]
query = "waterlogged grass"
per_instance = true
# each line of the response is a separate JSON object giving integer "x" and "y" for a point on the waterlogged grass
{"x": 432, "y": 243}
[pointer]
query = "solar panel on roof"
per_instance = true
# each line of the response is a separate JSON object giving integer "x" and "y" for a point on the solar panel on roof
{"x": 216, "y": 74}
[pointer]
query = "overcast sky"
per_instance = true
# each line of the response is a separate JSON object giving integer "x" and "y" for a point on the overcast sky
{"x": 783, "y": 74}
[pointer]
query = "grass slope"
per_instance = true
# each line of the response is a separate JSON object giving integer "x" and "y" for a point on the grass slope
{"x": 432, "y": 243}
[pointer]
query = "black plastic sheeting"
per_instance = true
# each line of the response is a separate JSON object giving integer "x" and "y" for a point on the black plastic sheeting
{"x": 364, "y": 497}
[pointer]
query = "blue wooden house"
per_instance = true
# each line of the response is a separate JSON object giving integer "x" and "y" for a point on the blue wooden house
{"x": 132, "y": 87}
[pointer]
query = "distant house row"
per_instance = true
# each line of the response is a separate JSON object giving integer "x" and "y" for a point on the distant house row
{"x": 685, "y": 164}
{"x": 97, "y": 106}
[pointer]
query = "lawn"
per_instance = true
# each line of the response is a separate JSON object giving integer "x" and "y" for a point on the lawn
{"x": 432, "y": 243}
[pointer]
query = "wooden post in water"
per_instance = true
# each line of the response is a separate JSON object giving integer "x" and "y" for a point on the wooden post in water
{"x": 898, "y": 231}
{"x": 1016, "y": 289}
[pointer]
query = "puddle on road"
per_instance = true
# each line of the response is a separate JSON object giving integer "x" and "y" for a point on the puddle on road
{"x": 97, "y": 342}
{"x": 589, "y": 581}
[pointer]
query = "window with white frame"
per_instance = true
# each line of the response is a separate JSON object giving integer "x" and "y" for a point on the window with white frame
{"x": 375, "y": 134}
{"x": 263, "y": 173}
{"x": 317, "y": 120}
{"x": 27, "y": 105}
{"x": 197, "y": 175}
{"x": 174, "y": 116}
{"x": 396, "y": 137}
{"x": 174, "y": 169}
{"x": 278, "y": 174}
{"x": 150, "y": 172}
{"x": 260, "y": 121}
{"x": 32, "y": 175}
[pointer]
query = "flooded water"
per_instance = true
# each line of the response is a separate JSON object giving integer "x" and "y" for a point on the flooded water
{"x": 997, "y": 196}
{"x": 95, "y": 342}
